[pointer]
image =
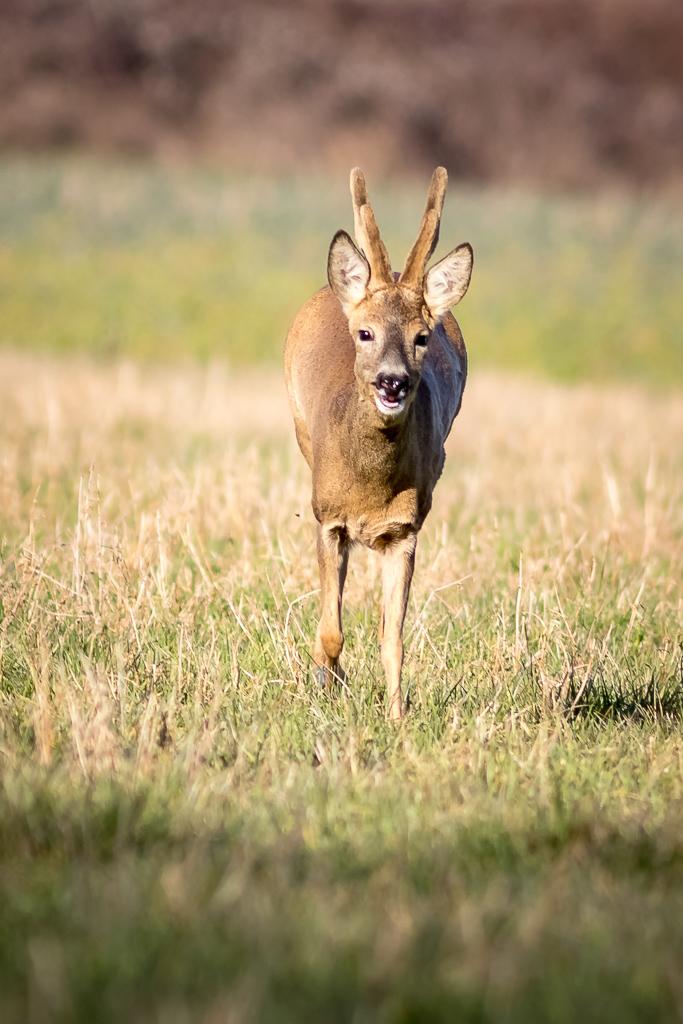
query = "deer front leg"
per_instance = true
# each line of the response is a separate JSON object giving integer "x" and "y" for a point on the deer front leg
{"x": 398, "y": 562}
{"x": 333, "y": 557}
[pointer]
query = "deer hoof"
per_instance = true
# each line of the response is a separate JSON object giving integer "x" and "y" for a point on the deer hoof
{"x": 328, "y": 677}
{"x": 397, "y": 710}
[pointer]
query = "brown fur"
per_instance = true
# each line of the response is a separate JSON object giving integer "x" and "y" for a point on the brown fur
{"x": 373, "y": 474}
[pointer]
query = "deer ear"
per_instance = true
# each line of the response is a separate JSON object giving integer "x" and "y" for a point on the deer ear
{"x": 447, "y": 281}
{"x": 348, "y": 271}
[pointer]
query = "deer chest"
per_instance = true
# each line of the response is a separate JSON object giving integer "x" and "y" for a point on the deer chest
{"x": 375, "y": 520}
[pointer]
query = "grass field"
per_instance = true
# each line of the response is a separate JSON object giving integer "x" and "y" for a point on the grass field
{"x": 190, "y": 830}
{"x": 154, "y": 263}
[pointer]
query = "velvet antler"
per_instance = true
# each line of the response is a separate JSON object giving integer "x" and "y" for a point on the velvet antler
{"x": 367, "y": 234}
{"x": 428, "y": 235}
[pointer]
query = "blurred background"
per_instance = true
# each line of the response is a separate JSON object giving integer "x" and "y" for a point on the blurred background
{"x": 172, "y": 172}
{"x": 560, "y": 93}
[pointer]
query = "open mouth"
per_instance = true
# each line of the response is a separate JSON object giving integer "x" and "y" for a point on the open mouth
{"x": 390, "y": 395}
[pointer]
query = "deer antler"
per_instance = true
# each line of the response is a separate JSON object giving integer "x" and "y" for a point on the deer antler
{"x": 367, "y": 233}
{"x": 428, "y": 235}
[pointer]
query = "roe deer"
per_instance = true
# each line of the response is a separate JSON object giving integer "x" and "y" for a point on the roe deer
{"x": 375, "y": 367}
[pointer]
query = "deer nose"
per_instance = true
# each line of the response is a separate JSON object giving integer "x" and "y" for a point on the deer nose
{"x": 393, "y": 384}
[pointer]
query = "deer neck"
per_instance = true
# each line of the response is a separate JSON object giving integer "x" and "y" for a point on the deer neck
{"x": 374, "y": 449}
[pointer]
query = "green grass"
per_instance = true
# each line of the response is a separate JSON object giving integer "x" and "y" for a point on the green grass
{"x": 332, "y": 899}
{"x": 153, "y": 263}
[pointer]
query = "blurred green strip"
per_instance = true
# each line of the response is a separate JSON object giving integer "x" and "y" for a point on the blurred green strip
{"x": 161, "y": 263}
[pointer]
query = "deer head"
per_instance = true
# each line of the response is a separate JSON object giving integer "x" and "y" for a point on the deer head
{"x": 391, "y": 317}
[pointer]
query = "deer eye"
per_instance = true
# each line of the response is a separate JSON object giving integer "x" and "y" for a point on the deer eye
{"x": 365, "y": 335}
{"x": 422, "y": 338}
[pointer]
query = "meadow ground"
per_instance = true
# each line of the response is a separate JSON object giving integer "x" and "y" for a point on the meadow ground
{"x": 189, "y": 828}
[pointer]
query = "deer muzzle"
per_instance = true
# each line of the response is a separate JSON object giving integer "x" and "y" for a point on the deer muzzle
{"x": 391, "y": 392}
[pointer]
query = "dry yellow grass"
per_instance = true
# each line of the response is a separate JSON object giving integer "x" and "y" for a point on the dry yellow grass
{"x": 158, "y": 598}
{"x": 130, "y": 493}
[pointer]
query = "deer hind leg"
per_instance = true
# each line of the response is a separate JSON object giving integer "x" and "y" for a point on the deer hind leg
{"x": 333, "y": 557}
{"x": 398, "y": 562}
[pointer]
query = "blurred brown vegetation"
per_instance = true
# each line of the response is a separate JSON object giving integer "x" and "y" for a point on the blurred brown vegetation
{"x": 570, "y": 93}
